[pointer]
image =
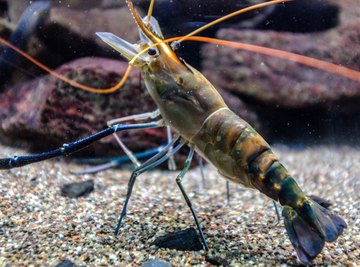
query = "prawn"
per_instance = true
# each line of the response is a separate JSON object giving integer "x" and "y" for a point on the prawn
{"x": 199, "y": 118}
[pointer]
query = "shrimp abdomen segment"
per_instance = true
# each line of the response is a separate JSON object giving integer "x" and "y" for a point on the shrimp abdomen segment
{"x": 230, "y": 143}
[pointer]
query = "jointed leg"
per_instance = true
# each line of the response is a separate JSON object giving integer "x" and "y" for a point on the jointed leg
{"x": 162, "y": 156}
{"x": 117, "y": 161}
{"x": 277, "y": 212}
{"x": 130, "y": 156}
{"x": 67, "y": 149}
{"x": 201, "y": 165}
{"x": 228, "y": 193}
{"x": 188, "y": 202}
{"x": 137, "y": 117}
{"x": 171, "y": 161}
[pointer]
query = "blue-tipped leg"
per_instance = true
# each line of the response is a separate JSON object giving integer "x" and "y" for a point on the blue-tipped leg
{"x": 187, "y": 199}
{"x": 67, "y": 149}
{"x": 153, "y": 162}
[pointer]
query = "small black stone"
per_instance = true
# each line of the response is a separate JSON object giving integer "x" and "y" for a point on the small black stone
{"x": 216, "y": 260}
{"x": 77, "y": 189}
{"x": 182, "y": 240}
{"x": 65, "y": 263}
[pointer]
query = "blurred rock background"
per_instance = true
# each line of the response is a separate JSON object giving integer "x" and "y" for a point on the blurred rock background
{"x": 284, "y": 101}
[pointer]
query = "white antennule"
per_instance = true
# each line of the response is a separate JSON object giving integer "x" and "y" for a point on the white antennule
{"x": 125, "y": 48}
{"x": 154, "y": 27}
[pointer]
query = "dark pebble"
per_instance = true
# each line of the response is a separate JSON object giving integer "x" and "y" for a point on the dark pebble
{"x": 182, "y": 240}
{"x": 77, "y": 189}
{"x": 156, "y": 263}
{"x": 216, "y": 260}
{"x": 66, "y": 263}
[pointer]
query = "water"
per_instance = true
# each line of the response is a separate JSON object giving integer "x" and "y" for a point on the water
{"x": 311, "y": 117}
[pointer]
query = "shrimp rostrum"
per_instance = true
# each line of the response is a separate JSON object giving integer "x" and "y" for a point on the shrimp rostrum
{"x": 199, "y": 117}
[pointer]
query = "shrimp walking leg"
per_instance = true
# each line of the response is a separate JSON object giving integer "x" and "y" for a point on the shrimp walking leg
{"x": 137, "y": 117}
{"x": 277, "y": 212}
{"x": 202, "y": 172}
{"x": 117, "y": 161}
{"x": 187, "y": 199}
{"x": 171, "y": 161}
{"x": 159, "y": 158}
{"x": 130, "y": 156}
{"x": 67, "y": 149}
{"x": 227, "y": 193}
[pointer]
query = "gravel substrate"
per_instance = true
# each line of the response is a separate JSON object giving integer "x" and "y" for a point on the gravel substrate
{"x": 39, "y": 227}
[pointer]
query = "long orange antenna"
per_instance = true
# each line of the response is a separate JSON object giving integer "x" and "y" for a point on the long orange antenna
{"x": 154, "y": 38}
{"x": 64, "y": 78}
{"x": 150, "y": 11}
{"x": 184, "y": 38}
{"x": 304, "y": 60}
{"x": 308, "y": 61}
{"x": 231, "y": 15}
{"x": 126, "y": 74}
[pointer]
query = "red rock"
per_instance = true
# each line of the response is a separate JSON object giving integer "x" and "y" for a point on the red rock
{"x": 277, "y": 82}
{"x": 67, "y": 34}
{"x": 47, "y": 112}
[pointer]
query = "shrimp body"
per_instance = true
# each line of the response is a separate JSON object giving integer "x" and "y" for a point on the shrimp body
{"x": 198, "y": 115}
{"x": 194, "y": 109}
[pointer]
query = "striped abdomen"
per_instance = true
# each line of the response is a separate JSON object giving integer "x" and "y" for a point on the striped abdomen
{"x": 242, "y": 155}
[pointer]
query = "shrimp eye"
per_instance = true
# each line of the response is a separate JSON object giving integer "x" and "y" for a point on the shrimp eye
{"x": 175, "y": 45}
{"x": 152, "y": 51}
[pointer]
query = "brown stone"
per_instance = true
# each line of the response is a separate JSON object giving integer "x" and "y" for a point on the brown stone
{"x": 279, "y": 82}
{"x": 47, "y": 112}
